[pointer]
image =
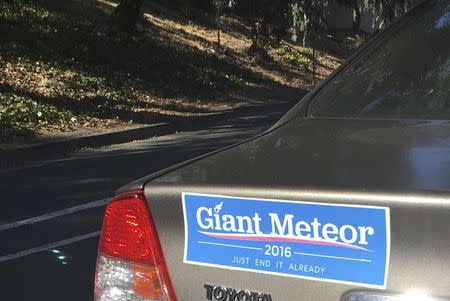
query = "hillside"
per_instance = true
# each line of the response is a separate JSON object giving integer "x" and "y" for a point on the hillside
{"x": 64, "y": 68}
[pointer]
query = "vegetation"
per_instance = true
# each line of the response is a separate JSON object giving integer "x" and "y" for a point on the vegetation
{"x": 384, "y": 11}
{"x": 79, "y": 66}
{"x": 71, "y": 64}
{"x": 21, "y": 115}
{"x": 308, "y": 18}
{"x": 220, "y": 5}
{"x": 295, "y": 57}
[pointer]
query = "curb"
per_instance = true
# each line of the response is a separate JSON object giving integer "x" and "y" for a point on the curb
{"x": 15, "y": 157}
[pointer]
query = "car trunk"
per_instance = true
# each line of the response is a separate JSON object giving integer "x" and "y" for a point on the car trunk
{"x": 400, "y": 165}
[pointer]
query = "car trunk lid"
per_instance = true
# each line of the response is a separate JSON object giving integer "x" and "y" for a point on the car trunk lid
{"x": 402, "y": 166}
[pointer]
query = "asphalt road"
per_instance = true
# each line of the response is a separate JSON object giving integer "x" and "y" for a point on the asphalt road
{"x": 52, "y": 210}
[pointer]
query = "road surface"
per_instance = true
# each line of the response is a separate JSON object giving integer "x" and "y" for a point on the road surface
{"x": 52, "y": 210}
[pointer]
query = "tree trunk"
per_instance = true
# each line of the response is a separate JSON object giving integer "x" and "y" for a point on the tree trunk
{"x": 305, "y": 38}
{"x": 127, "y": 13}
{"x": 218, "y": 26}
{"x": 306, "y": 21}
{"x": 314, "y": 65}
{"x": 356, "y": 17}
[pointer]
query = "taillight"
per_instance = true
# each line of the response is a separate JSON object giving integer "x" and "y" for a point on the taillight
{"x": 130, "y": 263}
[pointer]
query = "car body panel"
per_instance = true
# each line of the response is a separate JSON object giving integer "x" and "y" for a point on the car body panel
{"x": 403, "y": 165}
{"x": 332, "y": 153}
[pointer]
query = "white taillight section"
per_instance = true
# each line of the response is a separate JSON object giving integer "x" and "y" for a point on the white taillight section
{"x": 114, "y": 280}
{"x": 130, "y": 263}
{"x": 117, "y": 280}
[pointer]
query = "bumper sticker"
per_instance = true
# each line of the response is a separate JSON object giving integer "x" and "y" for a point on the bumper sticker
{"x": 338, "y": 243}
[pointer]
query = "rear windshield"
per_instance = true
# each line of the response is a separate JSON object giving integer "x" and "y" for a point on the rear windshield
{"x": 406, "y": 75}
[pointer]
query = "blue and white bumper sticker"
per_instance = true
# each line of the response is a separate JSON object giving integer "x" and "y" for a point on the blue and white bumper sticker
{"x": 338, "y": 243}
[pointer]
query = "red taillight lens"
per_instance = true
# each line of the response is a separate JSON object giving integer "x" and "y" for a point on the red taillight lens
{"x": 130, "y": 263}
{"x": 127, "y": 231}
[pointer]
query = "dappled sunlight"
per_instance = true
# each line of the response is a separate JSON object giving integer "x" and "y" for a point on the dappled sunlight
{"x": 182, "y": 105}
{"x": 65, "y": 67}
{"x": 198, "y": 36}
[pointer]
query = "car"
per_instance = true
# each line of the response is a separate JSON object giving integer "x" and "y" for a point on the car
{"x": 347, "y": 197}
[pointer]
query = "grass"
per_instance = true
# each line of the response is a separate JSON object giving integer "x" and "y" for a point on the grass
{"x": 63, "y": 66}
{"x": 292, "y": 56}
